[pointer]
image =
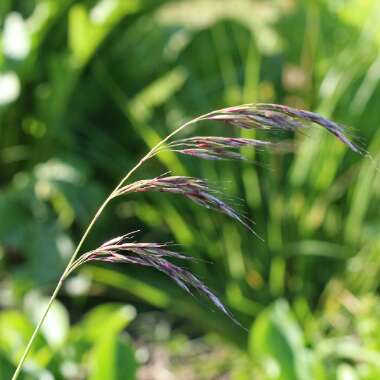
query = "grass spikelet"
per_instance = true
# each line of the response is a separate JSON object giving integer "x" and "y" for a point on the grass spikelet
{"x": 118, "y": 250}
{"x": 195, "y": 189}
{"x": 216, "y": 147}
{"x": 276, "y": 116}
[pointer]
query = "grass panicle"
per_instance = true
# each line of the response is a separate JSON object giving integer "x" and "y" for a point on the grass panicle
{"x": 280, "y": 117}
{"x": 122, "y": 250}
{"x": 195, "y": 189}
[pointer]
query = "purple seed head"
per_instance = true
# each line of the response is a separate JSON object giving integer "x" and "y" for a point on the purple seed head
{"x": 119, "y": 250}
{"x": 195, "y": 189}
{"x": 216, "y": 147}
{"x": 275, "y": 116}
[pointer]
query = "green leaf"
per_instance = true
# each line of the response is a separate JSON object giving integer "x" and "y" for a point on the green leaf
{"x": 15, "y": 331}
{"x": 11, "y": 230}
{"x": 88, "y": 30}
{"x": 277, "y": 341}
{"x": 111, "y": 356}
{"x": 113, "y": 359}
{"x": 6, "y": 368}
{"x": 105, "y": 320}
{"x": 45, "y": 244}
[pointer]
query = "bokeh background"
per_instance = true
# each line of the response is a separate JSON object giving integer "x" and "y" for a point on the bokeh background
{"x": 86, "y": 87}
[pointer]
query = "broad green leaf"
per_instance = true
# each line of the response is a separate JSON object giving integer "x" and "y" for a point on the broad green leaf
{"x": 277, "y": 341}
{"x": 112, "y": 318}
{"x": 113, "y": 359}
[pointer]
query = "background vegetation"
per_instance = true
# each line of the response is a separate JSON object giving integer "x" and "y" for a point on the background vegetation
{"x": 86, "y": 87}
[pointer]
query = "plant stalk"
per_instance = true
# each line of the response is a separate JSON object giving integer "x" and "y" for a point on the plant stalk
{"x": 67, "y": 270}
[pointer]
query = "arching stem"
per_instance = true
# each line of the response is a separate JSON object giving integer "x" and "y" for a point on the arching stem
{"x": 69, "y": 268}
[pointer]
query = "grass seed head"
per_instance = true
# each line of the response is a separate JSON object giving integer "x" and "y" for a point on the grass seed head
{"x": 118, "y": 250}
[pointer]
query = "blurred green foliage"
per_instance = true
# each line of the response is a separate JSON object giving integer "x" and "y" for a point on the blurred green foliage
{"x": 86, "y": 87}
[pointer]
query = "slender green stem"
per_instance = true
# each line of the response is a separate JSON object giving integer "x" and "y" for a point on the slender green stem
{"x": 57, "y": 289}
{"x": 69, "y": 268}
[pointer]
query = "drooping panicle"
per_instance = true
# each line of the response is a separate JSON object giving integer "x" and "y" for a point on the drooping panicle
{"x": 269, "y": 116}
{"x": 118, "y": 250}
{"x": 307, "y": 116}
{"x": 195, "y": 189}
